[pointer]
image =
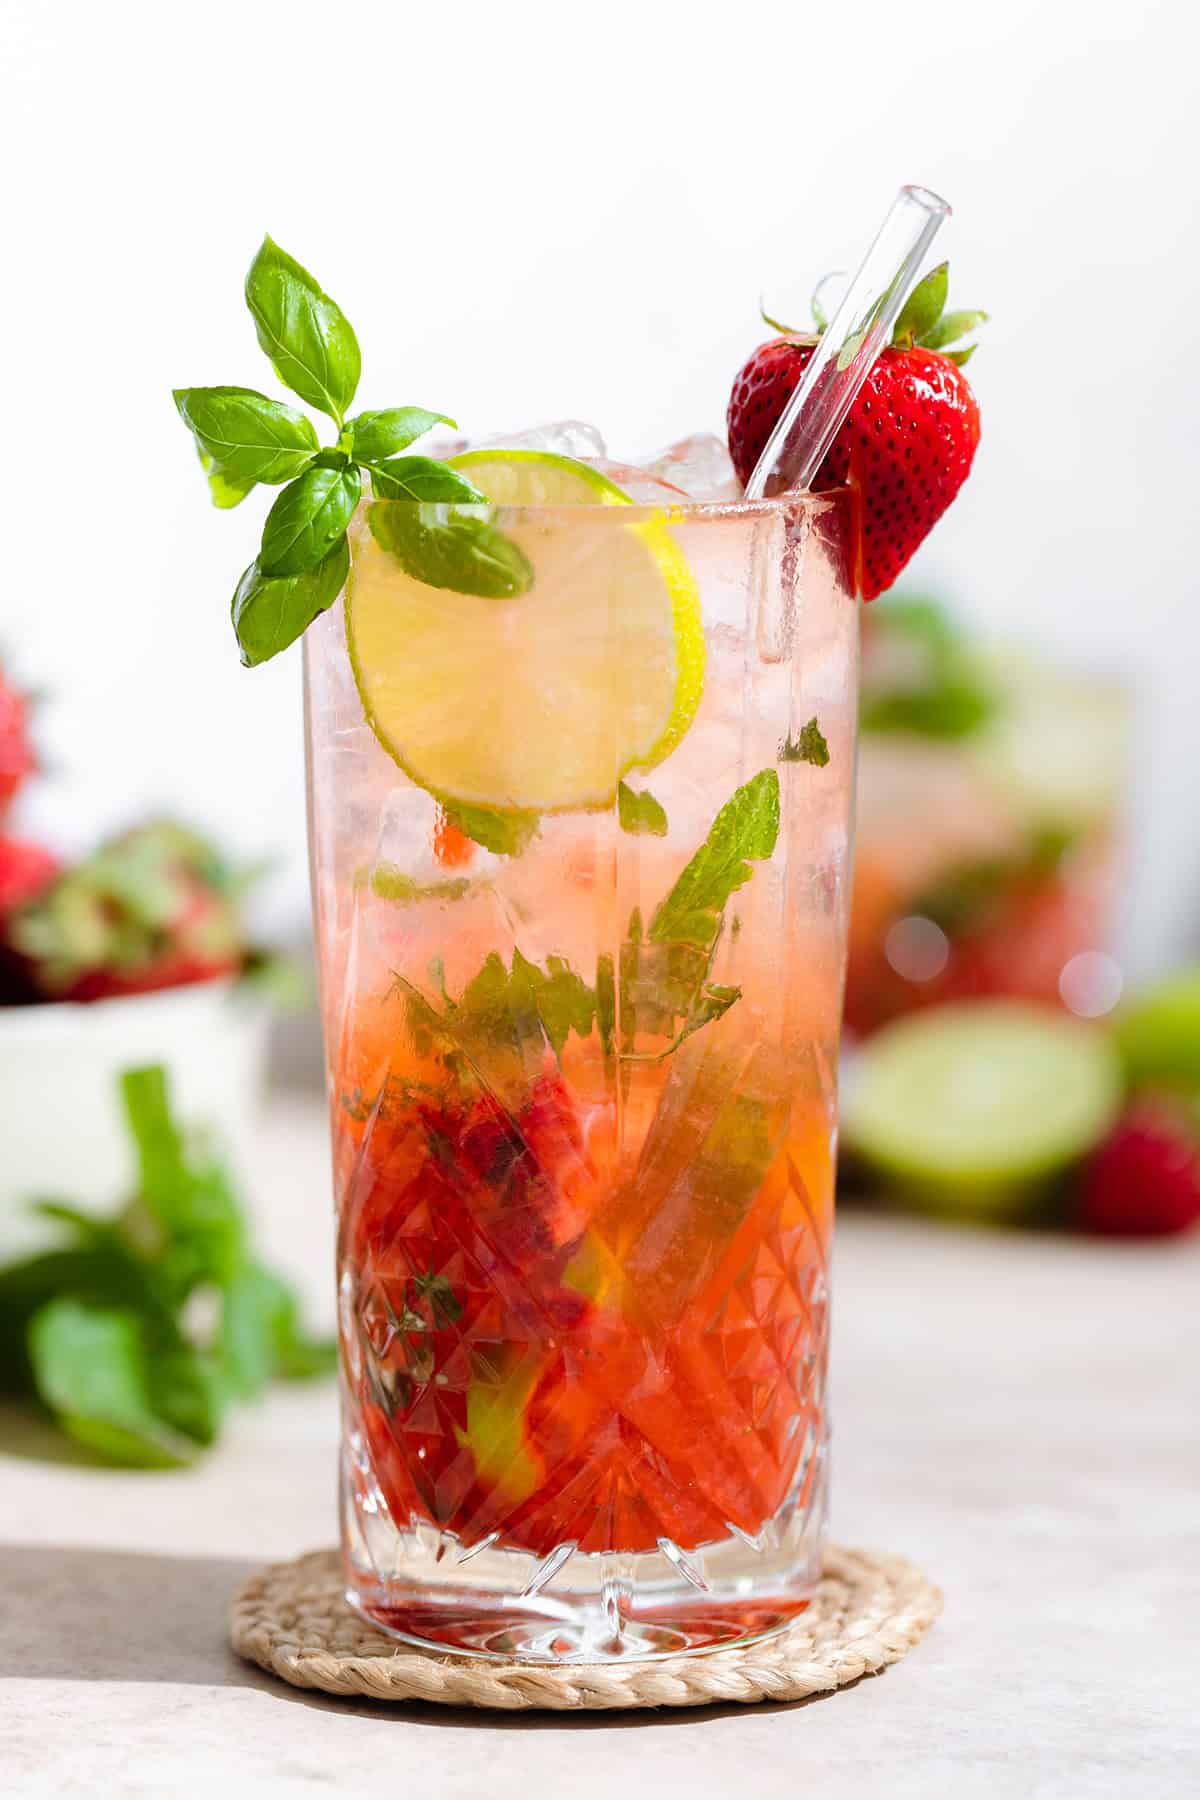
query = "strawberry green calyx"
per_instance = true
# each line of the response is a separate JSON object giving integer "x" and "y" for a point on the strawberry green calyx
{"x": 923, "y": 322}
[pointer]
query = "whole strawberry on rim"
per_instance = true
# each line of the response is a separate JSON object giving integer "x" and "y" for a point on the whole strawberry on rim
{"x": 908, "y": 442}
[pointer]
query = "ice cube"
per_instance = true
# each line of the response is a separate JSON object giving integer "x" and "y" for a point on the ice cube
{"x": 563, "y": 437}
{"x": 642, "y": 485}
{"x": 700, "y": 465}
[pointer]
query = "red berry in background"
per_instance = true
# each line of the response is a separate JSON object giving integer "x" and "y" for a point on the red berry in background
{"x": 25, "y": 871}
{"x": 153, "y": 908}
{"x": 1144, "y": 1180}
{"x": 16, "y": 752}
{"x": 909, "y": 440}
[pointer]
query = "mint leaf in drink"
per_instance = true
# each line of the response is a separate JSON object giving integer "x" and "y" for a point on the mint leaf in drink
{"x": 375, "y": 436}
{"x": 423, "y": 478}
{"x": 271, "y": 612}
{"x": 744, "y": 831}
{"x": 453, "y": 547}
{"x": 503, "y": 833}
{"x": 388, "y": 881}
{"x": 808, "y": 746}
{"x": 246, "y": 437}
{"x": 640, "y": 813}
{"x": 308, "y": 338}
{"x": 308, "y": 519}
{"x": 91, "y": 1370}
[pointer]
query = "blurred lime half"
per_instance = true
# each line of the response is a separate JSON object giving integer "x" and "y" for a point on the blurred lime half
{"x": 540, "y": 703}
{"x": 973, "y": 1108}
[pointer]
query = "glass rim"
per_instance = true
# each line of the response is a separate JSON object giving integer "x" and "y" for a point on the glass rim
{"x": 664, "y": 511}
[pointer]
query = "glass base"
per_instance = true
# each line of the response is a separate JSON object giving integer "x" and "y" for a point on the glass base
{"x": 581, "y": 1633}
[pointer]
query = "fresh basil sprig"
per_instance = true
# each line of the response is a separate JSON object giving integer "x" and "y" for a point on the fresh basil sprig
{"x": 244, "y": 438}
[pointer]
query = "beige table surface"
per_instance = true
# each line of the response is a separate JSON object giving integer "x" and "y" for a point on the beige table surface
{"x": 1017, "y": 1414}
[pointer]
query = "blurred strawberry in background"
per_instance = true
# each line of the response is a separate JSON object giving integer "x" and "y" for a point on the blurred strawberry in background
{"x": 17, "y": 759}
{"x": 156, "y": 907}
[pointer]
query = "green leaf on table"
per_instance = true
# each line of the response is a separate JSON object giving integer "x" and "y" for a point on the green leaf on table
{"x": 640, "y": 813}
{"x": 161, "y": 1168}
{"x": 924, "y": 307}
{"x": 377, "y": 435}
{"x": 808, "y": 746}
{"x": 744, "y": 831}
{"x": 185, "y": 1213}
{"x": 426, "y": 480}
{"x": 452, "y": 547}
{"x": 272, "y": 611}
{"x": 503, "y": 833}
{"x": 186, "y": 1388}
{"x": 91, "y": 1371}
{"x": 245, "y": 436}
{"x": 105, "y": 1273}
{"x": 308, "y": 519}
{"x": 308, "y": 338}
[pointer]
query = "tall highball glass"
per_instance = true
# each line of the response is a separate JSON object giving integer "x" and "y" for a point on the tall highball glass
{"x": 582, "y": 952}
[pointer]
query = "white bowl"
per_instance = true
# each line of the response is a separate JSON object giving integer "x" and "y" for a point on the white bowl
{"x": 62, "y": 1127}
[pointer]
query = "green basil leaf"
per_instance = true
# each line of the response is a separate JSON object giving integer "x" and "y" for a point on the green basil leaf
{"x": 308, "y": 338}
{"x": 307, "y": 520}
{"x": 226, "y": 490}
{"x": 246, "y": 436}
{"x": 374, "y": 435}
{"x": 924, "y": 306}
{"x": 272, "y": 611}
{"x": 640, "y": 813}
{"x": 91, "y": 1370}
{"x": 423, "y": 478}
{"x": 451, "y": 547}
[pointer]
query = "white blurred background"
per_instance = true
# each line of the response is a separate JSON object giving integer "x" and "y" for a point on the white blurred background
{"x": 531, "y": 211}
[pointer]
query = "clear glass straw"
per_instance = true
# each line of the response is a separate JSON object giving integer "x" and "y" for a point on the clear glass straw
{"x": 849, "y": 345}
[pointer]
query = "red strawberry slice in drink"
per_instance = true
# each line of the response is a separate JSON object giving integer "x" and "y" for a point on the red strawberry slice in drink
{"x": 909, "y": 440}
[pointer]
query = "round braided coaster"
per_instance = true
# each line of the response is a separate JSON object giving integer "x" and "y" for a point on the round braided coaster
{"x": 293, "y": 1619}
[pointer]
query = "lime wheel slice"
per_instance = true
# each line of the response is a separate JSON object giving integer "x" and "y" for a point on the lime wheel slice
{"x": 539, "y": 703}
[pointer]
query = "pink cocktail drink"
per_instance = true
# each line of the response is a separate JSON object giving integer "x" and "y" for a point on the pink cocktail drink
{"x": 583, "y": 1092}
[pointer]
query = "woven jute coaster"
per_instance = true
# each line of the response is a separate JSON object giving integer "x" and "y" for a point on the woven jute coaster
{"x": 292, "y": 1619}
